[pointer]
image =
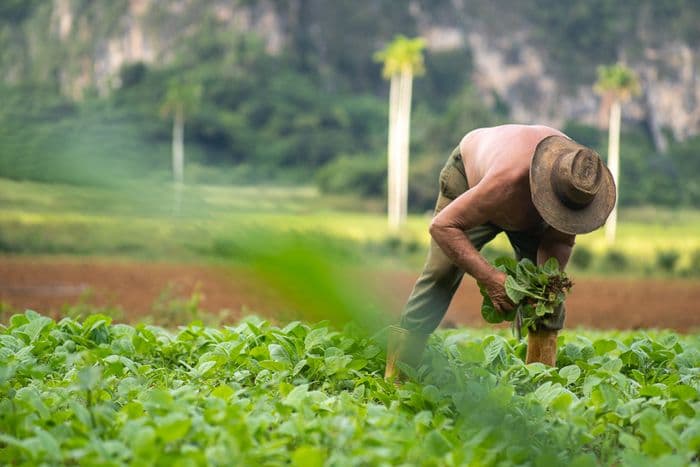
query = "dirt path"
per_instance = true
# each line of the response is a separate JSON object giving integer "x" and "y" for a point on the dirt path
{"x": 45, "y": 284}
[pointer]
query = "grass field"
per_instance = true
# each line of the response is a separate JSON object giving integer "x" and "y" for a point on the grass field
{"x": 138, "y": 220}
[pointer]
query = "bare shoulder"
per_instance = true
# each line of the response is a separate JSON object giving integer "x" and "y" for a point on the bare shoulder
{"x": 470, "y": 139}
{"x": 503, "y": 152}
{"x": 515, "y": 133}
{"x": 547, "y": 130}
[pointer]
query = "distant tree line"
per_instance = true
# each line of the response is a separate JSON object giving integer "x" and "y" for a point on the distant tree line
{"x": 316, "y": 112}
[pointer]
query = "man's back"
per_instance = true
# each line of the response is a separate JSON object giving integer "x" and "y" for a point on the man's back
{"x": 506, "y": 148}
{"x": 497, "y": 164}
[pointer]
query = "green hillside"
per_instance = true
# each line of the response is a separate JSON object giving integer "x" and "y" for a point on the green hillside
{"x": 314, "y": 109}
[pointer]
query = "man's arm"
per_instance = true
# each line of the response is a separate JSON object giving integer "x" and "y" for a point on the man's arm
{"x": 557, "y": 245}
{"x": 473, "y": 208}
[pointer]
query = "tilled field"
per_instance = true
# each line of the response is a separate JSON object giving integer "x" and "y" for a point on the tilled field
{"x": 46, "y": 284}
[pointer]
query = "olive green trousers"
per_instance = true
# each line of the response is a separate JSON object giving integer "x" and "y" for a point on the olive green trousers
{"x": 440, "y": 278}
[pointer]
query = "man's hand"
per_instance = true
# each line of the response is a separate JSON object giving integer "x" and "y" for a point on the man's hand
{"x": 495, "y": 288}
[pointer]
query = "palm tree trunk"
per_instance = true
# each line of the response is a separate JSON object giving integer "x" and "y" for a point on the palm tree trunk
{"x": 404, "y": 132}
{"x": 603, "y": 118}
{"x": 178, "y": 144}
{"x": 178, "y": 154}
{"x": 392, "y": 160}
{"x": 614, "y": 166}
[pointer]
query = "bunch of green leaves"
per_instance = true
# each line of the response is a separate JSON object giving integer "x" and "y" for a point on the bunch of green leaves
{"x": 536, "y": 291}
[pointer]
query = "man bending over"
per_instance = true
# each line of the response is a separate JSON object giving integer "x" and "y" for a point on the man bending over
{"x": 532, "y": 182}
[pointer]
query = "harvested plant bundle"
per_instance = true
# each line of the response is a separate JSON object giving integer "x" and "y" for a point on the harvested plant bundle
{"x": 535, "y": 290}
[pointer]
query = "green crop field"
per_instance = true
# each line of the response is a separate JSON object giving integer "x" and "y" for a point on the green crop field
{"x": 139, "y": 221}
{"x": 96, "y": 393}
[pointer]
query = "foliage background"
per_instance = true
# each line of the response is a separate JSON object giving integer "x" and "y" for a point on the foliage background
{"x": 314, "y": 108}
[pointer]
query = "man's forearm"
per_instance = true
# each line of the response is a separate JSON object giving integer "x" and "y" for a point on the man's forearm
{"x": 456, "y": 245}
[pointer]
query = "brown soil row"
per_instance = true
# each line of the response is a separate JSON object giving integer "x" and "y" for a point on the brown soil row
{"x": 46, "y": 284}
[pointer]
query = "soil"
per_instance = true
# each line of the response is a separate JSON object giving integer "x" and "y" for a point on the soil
{"x": 47, "y": 284}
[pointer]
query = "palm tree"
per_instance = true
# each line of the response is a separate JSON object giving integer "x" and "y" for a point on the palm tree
{"x": 180, "y": 97}
{"x": 617, "y": 84}
{"x": 402, "y": 58}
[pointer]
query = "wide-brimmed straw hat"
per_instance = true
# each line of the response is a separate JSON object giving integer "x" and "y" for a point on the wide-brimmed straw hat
{"x": 571, "y": 188}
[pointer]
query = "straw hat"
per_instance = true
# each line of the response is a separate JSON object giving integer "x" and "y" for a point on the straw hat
{"x": 572, "y": 189}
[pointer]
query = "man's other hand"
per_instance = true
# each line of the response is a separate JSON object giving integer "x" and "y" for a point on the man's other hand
{"x": 495, "y": 288}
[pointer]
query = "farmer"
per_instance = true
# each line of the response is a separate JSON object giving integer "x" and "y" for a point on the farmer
{"x": 531, "y": 182}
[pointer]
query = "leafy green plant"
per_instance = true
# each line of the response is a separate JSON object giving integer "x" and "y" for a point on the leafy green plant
{"x": 694, "y": 266}
{"x": 667, "y": 260}
{"x": 6, "y": 310}
{"x": 172, "y": 310}
{"x": 581, "y": 257}
{"x": 91, "y": 392}
{"x": 536, "y": 292}
{"x": 614, "y": 261}
{"x": 84, "y": 308}
{"x": 361, "y": 175}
